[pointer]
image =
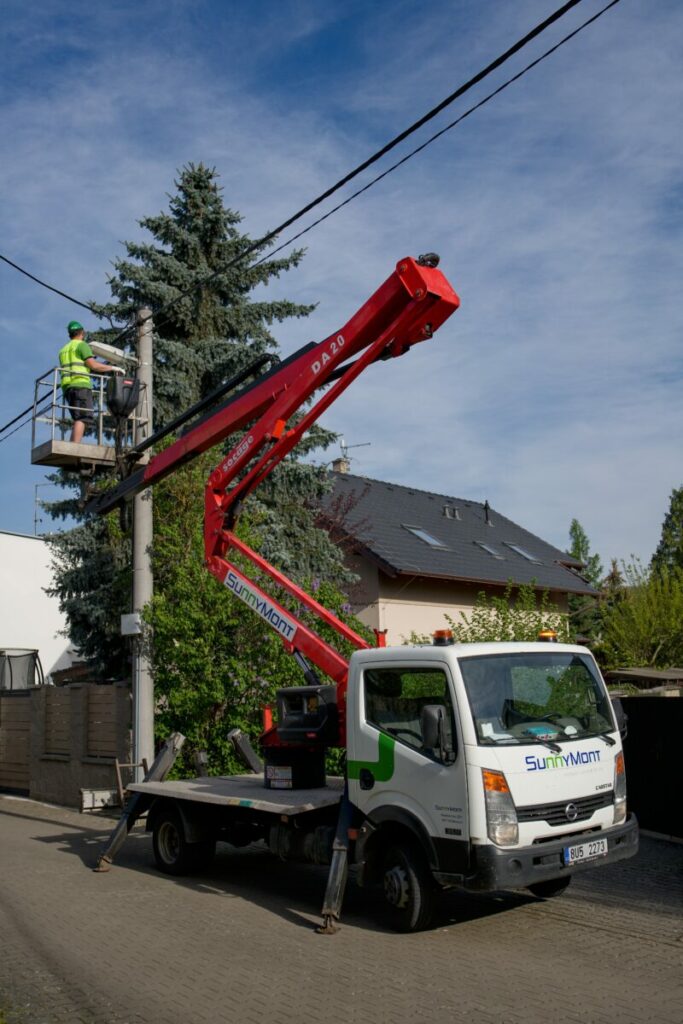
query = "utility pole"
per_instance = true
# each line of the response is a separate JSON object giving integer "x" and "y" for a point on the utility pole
{"x": 143, "y": 584}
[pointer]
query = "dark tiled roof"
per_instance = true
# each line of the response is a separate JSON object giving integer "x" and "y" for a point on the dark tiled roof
{"x": 375, "y": 515}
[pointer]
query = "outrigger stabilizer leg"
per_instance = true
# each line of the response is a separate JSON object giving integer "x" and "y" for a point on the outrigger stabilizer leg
{"x": 135, "y": 804}
{"x": 339, "y": 870}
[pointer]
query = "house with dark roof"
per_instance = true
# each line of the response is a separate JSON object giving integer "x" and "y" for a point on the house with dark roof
{"x": 420, "y": 555}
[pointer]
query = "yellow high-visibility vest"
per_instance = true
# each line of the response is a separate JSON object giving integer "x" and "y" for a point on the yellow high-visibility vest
{"x": 75, "y": 374}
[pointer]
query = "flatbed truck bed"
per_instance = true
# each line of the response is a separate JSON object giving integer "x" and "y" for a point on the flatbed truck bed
{"x": 247, "y": 791}
{"x": 188, "y": 817}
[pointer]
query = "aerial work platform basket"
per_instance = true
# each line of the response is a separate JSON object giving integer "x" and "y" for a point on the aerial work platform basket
{"x": 52, "y": 423}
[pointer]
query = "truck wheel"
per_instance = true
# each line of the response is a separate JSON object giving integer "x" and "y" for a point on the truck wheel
{"x": 409, "y": 891}
{"x": 553, "y": 887}
{"x": 173, "y": 854}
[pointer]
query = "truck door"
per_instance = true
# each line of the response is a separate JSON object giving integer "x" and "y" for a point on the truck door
{"x": 392, "y": 773}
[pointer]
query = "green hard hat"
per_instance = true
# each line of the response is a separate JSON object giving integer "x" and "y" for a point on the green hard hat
{"x": 74, "y": 326}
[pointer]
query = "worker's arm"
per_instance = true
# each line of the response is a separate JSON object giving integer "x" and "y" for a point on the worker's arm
{"x": 96, "y": 367}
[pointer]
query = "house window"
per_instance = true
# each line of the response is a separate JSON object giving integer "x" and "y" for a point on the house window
{"x": 433, "y": 542}
{"x": 523, "y": 552}
{"x": 490, "y": 550}
{"x": 451, "y": 512}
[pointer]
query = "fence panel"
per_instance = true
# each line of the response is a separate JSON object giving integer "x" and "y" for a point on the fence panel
{"x": 15, "y": 734}
{"x": 101, "y": 724}
{"x": 57, "y": 722}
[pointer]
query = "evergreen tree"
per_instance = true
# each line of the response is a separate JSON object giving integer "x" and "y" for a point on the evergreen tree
{"x": 207, "y": 335}
{"x": 213, "y": 325}
{"x": 669, "y": 553}
{"x": 92, "y": 579}
{"x": 584, "y": 612}
{"x": 580, "y": 549}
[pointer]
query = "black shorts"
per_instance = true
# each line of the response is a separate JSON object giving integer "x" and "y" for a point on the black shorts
{"x": 79, "y": 401}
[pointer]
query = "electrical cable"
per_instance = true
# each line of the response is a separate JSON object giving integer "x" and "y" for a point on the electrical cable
{"x": 50, "y": 287}
{"x": 11, "y": 422}
{"x": 265, "y": 239}
{"x": 460, "y": 91}
{"x": 24, "y": 424}
{"x": 437, "y": 135}
{"x": 41, "y": 407}
{"x": 269, "y": 236}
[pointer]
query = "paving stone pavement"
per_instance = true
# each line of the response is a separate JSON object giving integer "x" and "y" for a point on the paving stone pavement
{"x": 237, "y": 944}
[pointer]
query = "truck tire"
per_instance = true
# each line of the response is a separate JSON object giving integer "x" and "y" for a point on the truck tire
{"x": 409, "y": 890}
{"x": 553, "y": 887}
{"x": 172, "y": 853}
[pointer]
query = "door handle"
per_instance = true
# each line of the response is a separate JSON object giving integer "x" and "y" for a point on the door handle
{"x": 366, "y": 779}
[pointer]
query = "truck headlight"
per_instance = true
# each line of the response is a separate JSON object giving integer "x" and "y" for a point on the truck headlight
{"x": 619, "y": 789}
{"x": 501, "y": 816}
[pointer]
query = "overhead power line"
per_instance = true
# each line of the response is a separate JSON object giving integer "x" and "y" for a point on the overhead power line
{"x": 437, "y": 135}
{"x": 377, "y": 155}
{"x": 44, "y": 284}
{"x": 430, "y": 115}
{"x": 41, "y": 407}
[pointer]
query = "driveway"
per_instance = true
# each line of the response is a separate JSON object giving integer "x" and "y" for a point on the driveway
{"x": 238, "y": 944}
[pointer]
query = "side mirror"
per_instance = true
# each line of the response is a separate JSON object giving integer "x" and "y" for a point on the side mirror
{"x": 621, "y": 716}
{"x": 433, "y": 719}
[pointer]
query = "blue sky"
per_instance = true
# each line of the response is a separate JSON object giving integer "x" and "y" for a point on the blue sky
{"x": 554, "y": 391}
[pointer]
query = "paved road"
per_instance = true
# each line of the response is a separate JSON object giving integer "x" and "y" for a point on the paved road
{"x": 133, "y": 946}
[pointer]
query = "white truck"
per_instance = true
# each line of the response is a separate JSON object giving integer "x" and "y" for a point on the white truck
{"x": 486, "y": 766}
{"x": 478, "y": 766}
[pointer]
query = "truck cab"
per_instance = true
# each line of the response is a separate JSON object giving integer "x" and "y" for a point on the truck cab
{"x": 494, "y": 765}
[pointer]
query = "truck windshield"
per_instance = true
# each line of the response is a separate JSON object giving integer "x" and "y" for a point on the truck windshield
{"x": 534, "y": 697}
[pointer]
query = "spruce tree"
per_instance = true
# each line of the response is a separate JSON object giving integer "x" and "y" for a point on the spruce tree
{"x": 584, "y": 613}
{"x": 580, "y": 549}
{"x": 669, "y": 553}
{"x": 209, "y": 325}
{"x": 206, "y": 335}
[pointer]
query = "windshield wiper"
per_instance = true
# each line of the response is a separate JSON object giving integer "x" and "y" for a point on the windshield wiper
{"x": 555, "y": 747}
{"x": 610, "y": 740}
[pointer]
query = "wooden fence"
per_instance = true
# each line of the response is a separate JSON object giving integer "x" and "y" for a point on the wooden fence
{"x": 15, "y": 740}
{"x": 57, "y": 741}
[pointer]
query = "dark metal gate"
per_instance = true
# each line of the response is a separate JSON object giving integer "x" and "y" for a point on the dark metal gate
{"x": 654, "y": 768}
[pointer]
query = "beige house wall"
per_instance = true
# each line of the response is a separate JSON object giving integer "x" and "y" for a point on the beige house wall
{"x": 364, "y": 594}
{"x": 415, "y": 604}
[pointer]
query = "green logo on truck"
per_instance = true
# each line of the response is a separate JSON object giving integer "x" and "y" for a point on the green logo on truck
{"x": 382, "y": 768}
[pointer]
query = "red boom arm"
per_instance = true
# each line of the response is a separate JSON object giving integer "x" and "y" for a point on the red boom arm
{"x": 408, "y": 308}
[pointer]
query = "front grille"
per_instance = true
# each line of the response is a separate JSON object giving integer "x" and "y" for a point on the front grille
{"x": 556, "y": 814}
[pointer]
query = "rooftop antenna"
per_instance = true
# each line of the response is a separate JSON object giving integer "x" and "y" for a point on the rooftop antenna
{"x": 343, "y": 464}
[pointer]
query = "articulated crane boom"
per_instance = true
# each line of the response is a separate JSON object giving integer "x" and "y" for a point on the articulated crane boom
{"x": 415, "y": 811}
{"x": 408, "y": 308}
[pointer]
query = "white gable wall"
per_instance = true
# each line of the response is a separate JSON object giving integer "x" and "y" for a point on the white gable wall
{"x": 28, "y": 617}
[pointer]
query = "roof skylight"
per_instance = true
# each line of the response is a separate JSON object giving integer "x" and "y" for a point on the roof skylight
{"x": 491, "y": 550}
{"x": 522, "y": 551}
{"x": 433, "y": 542}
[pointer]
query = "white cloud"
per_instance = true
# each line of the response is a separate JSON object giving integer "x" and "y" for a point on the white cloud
{"x": 554, "y": 391}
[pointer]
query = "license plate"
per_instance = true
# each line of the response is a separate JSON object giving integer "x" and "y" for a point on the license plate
{"x": 585, "y": 851}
